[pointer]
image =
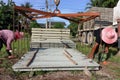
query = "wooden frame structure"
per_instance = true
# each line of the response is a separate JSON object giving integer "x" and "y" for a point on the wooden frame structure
{"x": 34, "y": 14}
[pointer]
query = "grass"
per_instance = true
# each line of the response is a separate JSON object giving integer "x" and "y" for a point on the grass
{"x": 115, "y": 59}
{"x": 20, "y": 47}
{"x": 85, "y": 49}
{"x": 115, "y": 69}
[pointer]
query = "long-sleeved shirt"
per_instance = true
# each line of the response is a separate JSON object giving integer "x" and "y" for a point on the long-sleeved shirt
{"x": 7, "y": 36}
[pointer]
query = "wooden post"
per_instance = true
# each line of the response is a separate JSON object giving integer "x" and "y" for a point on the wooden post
{"x": 118, "y": 21}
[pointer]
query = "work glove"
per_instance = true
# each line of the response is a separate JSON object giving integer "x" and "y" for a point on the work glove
{"x": 9, "y": 52}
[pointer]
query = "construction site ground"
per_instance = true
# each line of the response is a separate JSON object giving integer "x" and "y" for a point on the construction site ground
{"x": 107, "y": 72}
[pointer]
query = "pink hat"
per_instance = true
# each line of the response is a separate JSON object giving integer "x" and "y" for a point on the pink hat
{"x": 108, "y": 35}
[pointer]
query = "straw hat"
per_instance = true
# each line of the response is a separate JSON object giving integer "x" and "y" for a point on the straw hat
{"x": 108, "y": 35}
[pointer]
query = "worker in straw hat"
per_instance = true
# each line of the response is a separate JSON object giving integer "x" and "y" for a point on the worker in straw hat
{"x": 7, "y": 37}
{"x": 105, "y": 36}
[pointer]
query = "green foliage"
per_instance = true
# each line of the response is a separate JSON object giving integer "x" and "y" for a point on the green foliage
{"x": 7, "y": 14}
{"x": 58, "y": 25}
{"x": 34, "y": 24}
{"x": 27, "y": 5}
{"x": 109, "y": 3}
{"x": 19, "y": 47}
{"x": 102, "y": 3}
{"x": 73, "y": 28}
{"x": 115, "y": 59}
{"x": 6, "y": 17}
{"x": 85, "y": 49}
{"x": 116, "y": 70}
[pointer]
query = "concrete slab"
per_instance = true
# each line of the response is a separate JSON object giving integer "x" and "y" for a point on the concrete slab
{"x": 55, "y": 59}
{"x": 53, "y": 43}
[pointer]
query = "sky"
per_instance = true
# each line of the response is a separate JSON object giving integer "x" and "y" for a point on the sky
{"x": 65, "y": 6}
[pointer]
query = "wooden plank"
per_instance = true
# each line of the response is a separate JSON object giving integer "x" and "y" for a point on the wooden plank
{"x": 50, "y": 36}
{"x": 67, "y": 32}
{"x": 87, "y": 72}
{"x": 50, "y": 29}
{"x": 44, "y": 37}
{"x": 66, "y": 52}
{"x": 37, "y": 34}
{"x": 43, "y": 34}
{"x": 68, "y": 55}
{"x": 50, "y": 32}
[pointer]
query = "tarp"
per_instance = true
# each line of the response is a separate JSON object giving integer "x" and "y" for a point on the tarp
{"x": 116, "y": 13}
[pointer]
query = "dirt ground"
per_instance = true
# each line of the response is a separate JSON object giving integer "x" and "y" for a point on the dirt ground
{"x": 103, "y": 74}
{"x": 106, "y": 72}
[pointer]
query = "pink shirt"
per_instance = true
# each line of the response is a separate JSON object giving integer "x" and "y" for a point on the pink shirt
{"x": 7, "y": 36}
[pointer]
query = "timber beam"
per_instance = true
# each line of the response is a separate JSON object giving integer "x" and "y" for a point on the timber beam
{"x": 34, "y": 14}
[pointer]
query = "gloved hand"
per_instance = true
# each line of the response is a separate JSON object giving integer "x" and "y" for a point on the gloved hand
{"x": 106, "y": 50}
{"x": 10, "y": 56}
{"x": 9, "y": 52}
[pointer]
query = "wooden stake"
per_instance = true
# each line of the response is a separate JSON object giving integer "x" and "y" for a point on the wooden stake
{"x": 87, "y": 72}
{"x": 69, "y": 57}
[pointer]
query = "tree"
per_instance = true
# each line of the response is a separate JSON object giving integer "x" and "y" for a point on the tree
{"x": 34, "y": 24}
{"x": 109, "y": 3}
{"x": 73, "y": 28}
{"x": 58, "y": 25}
{"x": 94, "y": 3}
{"x": 27, "y": 5}
{"x": 6, "y": 15}
{"x": 24, "y": 21}
{"x": 102, "y": 3}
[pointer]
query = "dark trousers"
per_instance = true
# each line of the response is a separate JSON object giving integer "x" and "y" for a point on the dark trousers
{"x": 1, "y": 45}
